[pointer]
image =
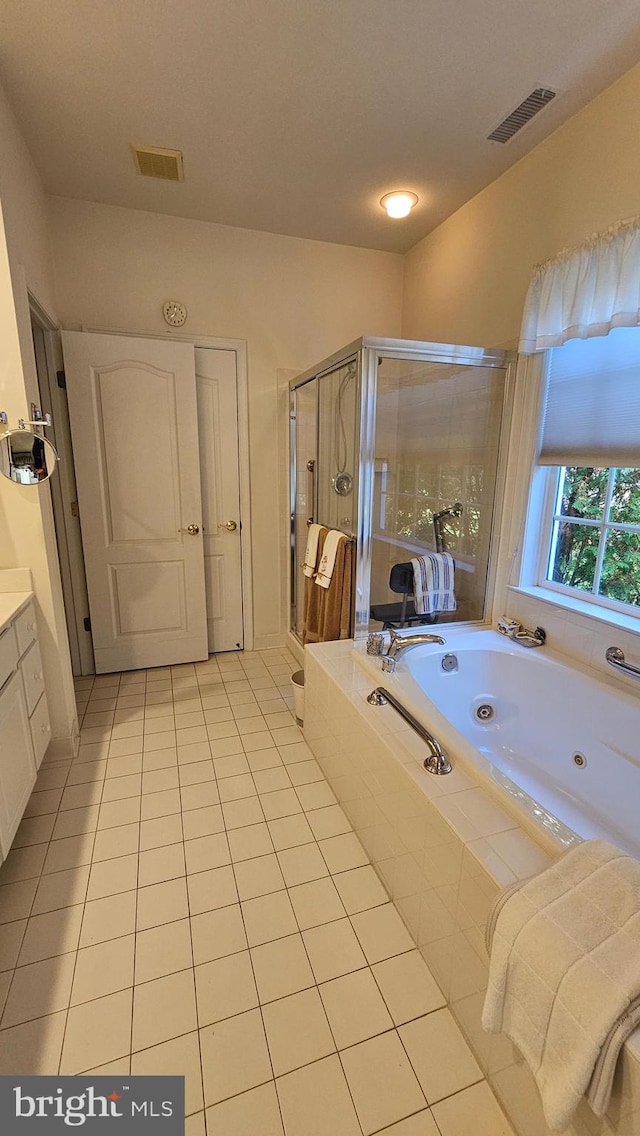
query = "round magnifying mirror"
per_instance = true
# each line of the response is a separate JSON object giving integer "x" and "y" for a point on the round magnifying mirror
{"x": 26, "y": 458}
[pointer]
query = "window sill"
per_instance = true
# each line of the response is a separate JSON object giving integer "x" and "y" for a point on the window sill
{"x": 606, "y": 616}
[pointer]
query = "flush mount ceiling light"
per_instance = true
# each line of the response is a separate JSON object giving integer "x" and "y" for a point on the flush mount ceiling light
{"x": 399, "y": 203}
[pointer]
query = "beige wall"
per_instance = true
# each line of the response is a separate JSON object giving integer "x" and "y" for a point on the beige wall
{"x": 27, "y": 536}
{"x": 466, "y": 282}
{"x": 294, "y": 301}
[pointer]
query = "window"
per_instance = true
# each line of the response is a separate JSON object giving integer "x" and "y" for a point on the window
{"x": 409, "y": 500}
{"x": 595, "y": 533}
{"x": 590, "y": 437}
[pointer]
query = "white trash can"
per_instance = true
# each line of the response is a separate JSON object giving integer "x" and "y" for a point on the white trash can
{"x": 297, "y": 684}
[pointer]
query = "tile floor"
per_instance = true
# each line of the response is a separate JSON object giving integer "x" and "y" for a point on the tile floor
{"x": 186, "y": 896}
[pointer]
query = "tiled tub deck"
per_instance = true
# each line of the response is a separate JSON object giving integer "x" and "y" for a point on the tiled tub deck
{"x": 444, "y": 847}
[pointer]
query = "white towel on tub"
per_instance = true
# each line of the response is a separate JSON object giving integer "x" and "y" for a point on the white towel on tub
{"x": 311, "y": 551}
{"x": 564, "y": 979}
{"x": 433, "y": 583}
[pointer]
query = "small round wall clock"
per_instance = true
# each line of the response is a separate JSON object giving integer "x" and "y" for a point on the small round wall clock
{"x": 174, "y": 313}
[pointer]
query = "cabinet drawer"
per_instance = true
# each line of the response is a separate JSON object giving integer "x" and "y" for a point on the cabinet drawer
{"x": 25, "y": 625}
{"x": 40, "y": 729}
{"x": 31, "y": 667}
{"x": 8, "y": 653}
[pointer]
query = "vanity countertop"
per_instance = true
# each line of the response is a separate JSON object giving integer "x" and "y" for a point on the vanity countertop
{"x": 10, "y": 604}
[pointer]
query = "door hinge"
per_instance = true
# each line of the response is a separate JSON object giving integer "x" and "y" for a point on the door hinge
{"x": 75, "y": 509}
{"x": 87, "y": 622}
{"x": 61, "y": 379}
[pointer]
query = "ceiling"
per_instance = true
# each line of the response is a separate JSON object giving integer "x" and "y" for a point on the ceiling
{"x": 296, "y": 116}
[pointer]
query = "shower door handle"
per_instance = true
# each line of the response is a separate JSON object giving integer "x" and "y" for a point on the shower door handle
{"x": 311, "y": 488}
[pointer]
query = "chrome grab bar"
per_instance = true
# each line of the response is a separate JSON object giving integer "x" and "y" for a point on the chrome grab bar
{"x": 437, "y": 762}
{"x": 615, "y": 658}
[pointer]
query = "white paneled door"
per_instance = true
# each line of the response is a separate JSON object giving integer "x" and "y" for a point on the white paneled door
{"x": 134, "y": 424}
{"x": 216, "y": 381}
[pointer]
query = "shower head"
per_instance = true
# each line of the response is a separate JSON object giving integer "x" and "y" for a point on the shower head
{"x": 454, "y": 511}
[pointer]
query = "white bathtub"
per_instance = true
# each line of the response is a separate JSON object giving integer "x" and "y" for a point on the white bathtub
{"x": 562, "y": 744}
{"x": 445, "y": 846}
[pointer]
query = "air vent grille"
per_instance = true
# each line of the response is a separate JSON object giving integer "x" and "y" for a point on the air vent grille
{"x": 152, "y": 161}
{"x": 523, "y": 114}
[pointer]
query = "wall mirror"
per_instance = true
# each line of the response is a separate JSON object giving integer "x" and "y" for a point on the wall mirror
{"x": 26, "y": 457}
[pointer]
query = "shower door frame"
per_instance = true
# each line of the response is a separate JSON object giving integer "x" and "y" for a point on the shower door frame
{"x": 351, "y": 353}
{"x": 369, "y": 351}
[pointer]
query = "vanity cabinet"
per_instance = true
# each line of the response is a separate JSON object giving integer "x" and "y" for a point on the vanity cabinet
{"x": 24, "y": 718}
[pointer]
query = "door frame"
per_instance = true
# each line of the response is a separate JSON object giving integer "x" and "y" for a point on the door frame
{"x": 68, "y": 541}
{"x": 239, "y": 347}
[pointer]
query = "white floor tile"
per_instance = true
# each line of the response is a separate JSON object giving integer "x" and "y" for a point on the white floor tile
{"x": 440, "y": 1055}
{"x": 103, "y": 969}
{"x": 382, "y": 1082}
{"x": 211, "y": 889}
{"x": 163, "y": 1008}
{"x": 281, "y": 968}
{"x": 316, "y": 1101}
{"x": 38, "y": 989}
{"x": 360, "y": 889}
{"x": 297, "y": 1031}
{"x": 85, "y": 1047}
{"x": 225, "y": 987}
{"x": 218, "y": 933}
{"x": 162, "y": 950}
{"x": 182, "y": 1054}
{"x": 355, "y": 1008}
{"x": 316, "y": 902}
{"x": 234, "y": 1057}
{"x": 248, "y": 1114}
{"x": 333, "y": 950}
{"x": 472, "y": 1112}
{"x": 268, "y": 917}
{"x": 408, "y": 987}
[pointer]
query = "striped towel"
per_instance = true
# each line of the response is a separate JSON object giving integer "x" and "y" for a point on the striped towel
{"x": 433, "y": 579}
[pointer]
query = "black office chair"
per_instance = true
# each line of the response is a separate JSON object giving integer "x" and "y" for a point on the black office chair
{"x": 401, "y": 614}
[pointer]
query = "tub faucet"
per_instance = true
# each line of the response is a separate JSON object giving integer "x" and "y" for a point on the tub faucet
{"x": 514, "y": 630}
{"x": 401, "y": 643}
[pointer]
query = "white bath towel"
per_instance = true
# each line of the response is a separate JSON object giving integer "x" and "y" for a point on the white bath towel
{"x": 311, "y": 551}
{"x": 433, "y": 580}
{"x": 564, "y": 978}
{"x": 328, "y": 559}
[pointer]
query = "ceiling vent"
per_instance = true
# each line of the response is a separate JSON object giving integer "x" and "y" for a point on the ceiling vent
{"x": 153, "y": 161}
{"x": 528, "y": 108}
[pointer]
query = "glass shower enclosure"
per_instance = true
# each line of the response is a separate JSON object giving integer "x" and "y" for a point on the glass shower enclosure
{"x": 396, "y": 443}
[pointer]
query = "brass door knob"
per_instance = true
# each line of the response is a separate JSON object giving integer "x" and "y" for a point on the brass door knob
{"x": 231, "y": 526}
{"x": 193, "y": 530}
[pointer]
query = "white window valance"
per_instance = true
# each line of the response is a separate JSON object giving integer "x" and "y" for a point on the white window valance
{"x": 585, "y": 291}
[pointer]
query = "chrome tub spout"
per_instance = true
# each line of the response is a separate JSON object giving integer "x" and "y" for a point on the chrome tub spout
{"x": 401, "y": 643}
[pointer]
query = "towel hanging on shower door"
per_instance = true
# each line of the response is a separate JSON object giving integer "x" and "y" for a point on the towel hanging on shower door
{"x": 327, "y": 610}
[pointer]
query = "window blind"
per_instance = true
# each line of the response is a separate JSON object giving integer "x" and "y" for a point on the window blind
{"x": 591, "y": 412}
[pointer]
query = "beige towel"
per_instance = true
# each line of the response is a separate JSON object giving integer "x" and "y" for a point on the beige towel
{"x": 564, "y": 980}
{"x": 328, "y": 557}
{"x": 327, "y": 611}
{"x": 311, "y": 551}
